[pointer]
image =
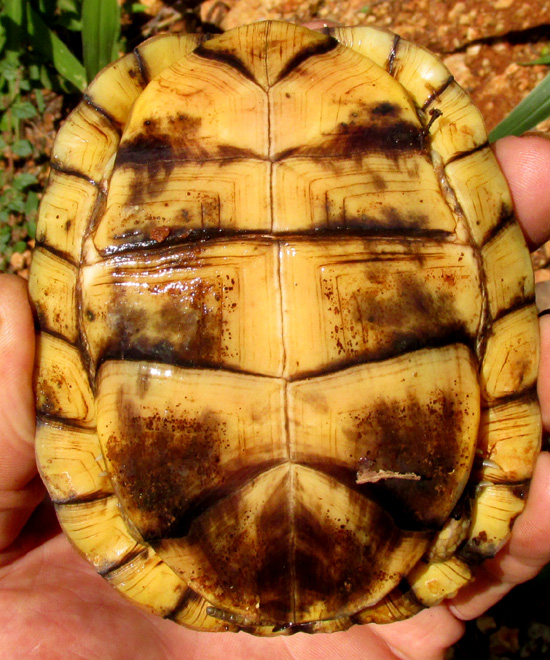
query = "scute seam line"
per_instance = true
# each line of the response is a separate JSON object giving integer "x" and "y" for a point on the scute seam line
{"x": 71, "y": 172}
{"x": 393, "y": 54}
{"x": 132, "y": 554}
{"x": 526, "y": 302}
{"x": 142, "y": 67}
{"x": 104, "y": 113}
{"x": 504, "y": 223}
{"x": 57, "y": 253}
{"x": 437, "y": 92}
{"x": 98, "y": 496}
{"x": 469, "y": 152}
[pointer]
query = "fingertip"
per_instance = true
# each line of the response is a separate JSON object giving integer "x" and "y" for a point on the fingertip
{"x": 525, "y": 162}
{"x": 16, "y": 393}
{"x": 543, "y": 384}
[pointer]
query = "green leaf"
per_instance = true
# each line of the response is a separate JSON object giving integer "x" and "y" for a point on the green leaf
{"x": 100, "y": 34}
{"x": 40, "y": 103}
{"x": 31, "y": 207}
{"x": 50, "y": 46}
{"x": 14, "y": 21}
{"x": 526, "y": 115}
{"x": 23, "y": 110}
{"x": 22, "y": 148}
{"x": 24, "y": 180}
{"x": 137, "y": 8}
{"x": 544, "y": 59}
{"x": 20, "y": 246}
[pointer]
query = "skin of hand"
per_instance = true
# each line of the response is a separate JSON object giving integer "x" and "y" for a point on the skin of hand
{"x": 53, "y": 605}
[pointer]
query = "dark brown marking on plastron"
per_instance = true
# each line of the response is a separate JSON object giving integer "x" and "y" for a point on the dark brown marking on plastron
{"x": 421, "y": 438}
{"x": 315, "y": 49}
{"x": 393, "y": 222}
{"x": 183, "y": 325}
{"x": 54, "y": 251}
{"x": 275, "y": 574}
{"x": 414, "y": 317}
{"x": 368, "y": 129}
{"x": 248, "y": 552}
{"x": 225, "y": 57}
{"x": 436, "y": 93}
{"x": 335, "y": 563}
{"x": 153, "y": 153}
{"x": 231, "y": 152}
{"x": 166, "y": 467}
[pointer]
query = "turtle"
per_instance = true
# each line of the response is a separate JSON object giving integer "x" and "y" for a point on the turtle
{"x": 287, "y": 334}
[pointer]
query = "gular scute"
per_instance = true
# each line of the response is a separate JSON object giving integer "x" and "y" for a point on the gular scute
{"x": 287, "y": 331}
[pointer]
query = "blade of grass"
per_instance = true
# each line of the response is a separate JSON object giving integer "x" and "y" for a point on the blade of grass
{"x": 14, "y": 17}
{"x": 100, "y": 34}
{"x": 50, "y": 46}
{"x": 526, "y": 115}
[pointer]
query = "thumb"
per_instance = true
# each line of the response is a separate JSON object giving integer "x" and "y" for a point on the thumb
{"x": 18, "y": 496}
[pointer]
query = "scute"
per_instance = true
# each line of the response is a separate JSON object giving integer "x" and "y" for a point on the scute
{"x": 288, "y": 344}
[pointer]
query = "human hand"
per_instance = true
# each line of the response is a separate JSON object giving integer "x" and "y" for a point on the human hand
{"x": 53, "y": 605}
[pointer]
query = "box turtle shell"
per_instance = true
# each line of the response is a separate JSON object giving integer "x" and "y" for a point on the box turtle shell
{"x": 288, "y": 345}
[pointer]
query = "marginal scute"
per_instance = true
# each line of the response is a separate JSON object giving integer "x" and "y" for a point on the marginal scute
{"x": 398, "y": 605}
{"x": 460, "y": 127}
{"x": 117, "y": 87}
{"x": 162, "y": 51}
{"x": 98, "y": 530}
{"x": 53, "y": 294}
{"x": 482, "y": 192}
{"x": 62, "y": 386}
{"x": 432, "y": 583}
{"x": 420, "y": 72}
{"x": 495, "y": 508}
{"x": 510, "y": 363}
{"x": 65, "y": 213}
{"x": 71, "y": 462}
{"x": 375, "y": 43}
{"x": 148, "y": 581}
{"x": 85, "y": 144}
{"x": 509, "y": 440}
{"x": 507, "y": 265}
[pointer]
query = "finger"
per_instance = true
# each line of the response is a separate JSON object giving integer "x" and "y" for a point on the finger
{"x": 424, "y": 637}
{"x": 526, "y": 554}
{"x": 20, "y": 491}
{"x": 525, "y": 162}
{"x": 543, "y": 384}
